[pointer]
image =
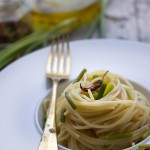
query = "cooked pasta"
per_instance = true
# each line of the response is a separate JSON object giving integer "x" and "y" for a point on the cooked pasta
{"x": 101, "y": 111}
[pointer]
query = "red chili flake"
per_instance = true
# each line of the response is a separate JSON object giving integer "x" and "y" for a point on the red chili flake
{"x": 146, "y": 148}
{"x": 93, "y": 87}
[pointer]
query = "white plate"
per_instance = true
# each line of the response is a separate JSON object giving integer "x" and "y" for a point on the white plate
{"x": 23, "y": 83}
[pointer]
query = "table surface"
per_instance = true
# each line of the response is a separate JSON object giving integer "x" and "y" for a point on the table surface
{"x": 128, "y": 19}
{"x": 124, "y": 19}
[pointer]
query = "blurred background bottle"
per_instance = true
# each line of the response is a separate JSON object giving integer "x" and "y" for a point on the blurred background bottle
{"x": 56, "y": 17}
{"x": 47, "y": 14}
{"x": 15, "y": 21}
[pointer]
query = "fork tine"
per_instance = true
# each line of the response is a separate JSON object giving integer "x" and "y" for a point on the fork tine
{"x": 61, "y": 63}
{"x": 67, "y": 71}
{"x": 49, "y": 64}
{"x": 55, "y": 59}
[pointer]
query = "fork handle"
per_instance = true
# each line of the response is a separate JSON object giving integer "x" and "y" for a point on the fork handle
{"x": 49, "y": 137}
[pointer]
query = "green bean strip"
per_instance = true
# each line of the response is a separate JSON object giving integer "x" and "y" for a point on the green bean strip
{"x": 146, "y": 134}
{"x": 95, "y": 76}
{"x": 80, "y": 76}
{"x": 118, "y": 136}
{"x": 143, "y": 146}
{"x": 62, "y": 116}
{"x": 129, "y": 93}
{"x": 101, "y": 91}
{"x": 109, "y": 87}
{"x": 70, "y": 101}
{"x": 95, "y": 94}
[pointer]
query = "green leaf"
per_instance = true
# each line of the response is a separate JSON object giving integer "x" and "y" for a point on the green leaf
{"x": 11, "y": 52}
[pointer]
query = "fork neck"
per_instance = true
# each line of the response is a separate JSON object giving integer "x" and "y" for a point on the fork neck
{"x": 55, "y": 80}
{"x": 53, "y": 99}
{"x": 54, "y": 85}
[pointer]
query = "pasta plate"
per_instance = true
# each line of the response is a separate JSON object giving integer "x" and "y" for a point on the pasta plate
{"x": 23, "y": 83}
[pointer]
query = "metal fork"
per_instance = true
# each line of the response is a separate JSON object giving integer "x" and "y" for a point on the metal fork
{"x": 58, "y": 68}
